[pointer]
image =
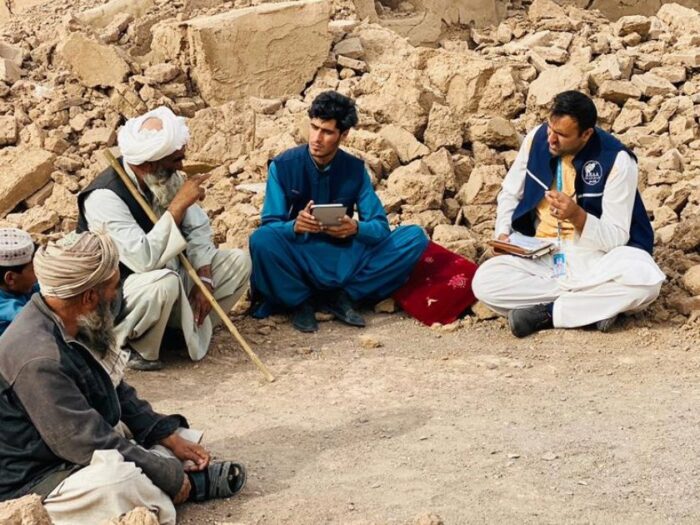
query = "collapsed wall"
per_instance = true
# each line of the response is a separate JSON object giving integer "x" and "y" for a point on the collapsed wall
{"x": 439, "y": 125}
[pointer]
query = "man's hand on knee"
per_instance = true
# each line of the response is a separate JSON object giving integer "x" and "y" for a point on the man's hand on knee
{"x": 193, "y": 454}
{"x": 201, "y": 307}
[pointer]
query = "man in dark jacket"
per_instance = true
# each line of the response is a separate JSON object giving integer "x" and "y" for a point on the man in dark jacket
{"x": 65, "y": 409}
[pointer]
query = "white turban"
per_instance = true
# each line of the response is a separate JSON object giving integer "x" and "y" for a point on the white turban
{"x": 146, "y": 145}
{"x": 75, "y": 264}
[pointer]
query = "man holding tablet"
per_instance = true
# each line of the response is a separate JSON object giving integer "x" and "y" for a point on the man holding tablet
{"x": 310, "y": 251}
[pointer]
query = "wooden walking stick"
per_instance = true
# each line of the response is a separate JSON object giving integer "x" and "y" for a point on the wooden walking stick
{"x": 190, "y": 269}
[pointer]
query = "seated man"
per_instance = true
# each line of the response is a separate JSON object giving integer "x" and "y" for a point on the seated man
{"x": 61, "y": 435}
{"x": 155, "y": 288}
{"x": 297, "y": 260}
{"x": 598, "y": 214}
{"x": 17, "y": 279}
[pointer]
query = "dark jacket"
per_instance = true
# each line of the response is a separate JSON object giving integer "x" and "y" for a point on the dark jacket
{"x": 593, "y": 166}
{"x": 58, "y": 405}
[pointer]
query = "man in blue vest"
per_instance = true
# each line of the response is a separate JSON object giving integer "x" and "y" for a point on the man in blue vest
{"x": 300, "y": 264}
{"x": 575, "y": 184}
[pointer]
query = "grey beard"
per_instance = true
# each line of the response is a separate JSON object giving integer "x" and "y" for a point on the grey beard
{"x": 96, "y": 329}
{"x": 164, "y": 185}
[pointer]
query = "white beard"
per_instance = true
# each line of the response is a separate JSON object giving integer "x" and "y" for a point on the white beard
{"x": 164, "y": 186}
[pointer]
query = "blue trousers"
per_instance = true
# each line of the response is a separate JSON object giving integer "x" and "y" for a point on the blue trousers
{"x": 288, "y": 272}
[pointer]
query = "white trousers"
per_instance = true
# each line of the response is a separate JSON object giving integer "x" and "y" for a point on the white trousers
{"x": 156, "y": 299}
{"x": 106, "y": 489}
{"x": 623, "y": 280}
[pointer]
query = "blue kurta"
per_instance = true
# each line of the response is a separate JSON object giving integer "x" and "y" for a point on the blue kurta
{"x": 288, "y": 268}
{"x": 11, "y": 304}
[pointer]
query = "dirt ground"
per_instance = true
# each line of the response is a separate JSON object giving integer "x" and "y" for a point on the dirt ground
{"x": 472, "y": 425}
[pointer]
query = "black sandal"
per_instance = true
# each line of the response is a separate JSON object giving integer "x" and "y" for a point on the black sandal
{"x": 221, "y": 479}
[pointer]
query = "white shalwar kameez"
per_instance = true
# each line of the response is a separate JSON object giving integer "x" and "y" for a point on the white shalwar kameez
{"x": 604, "y": 276}
{"x": 156, "y": 294}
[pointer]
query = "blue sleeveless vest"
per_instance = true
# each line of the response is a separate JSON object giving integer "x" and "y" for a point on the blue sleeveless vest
{"x": 295, "y": 170}
{"x": 593, "y": 165}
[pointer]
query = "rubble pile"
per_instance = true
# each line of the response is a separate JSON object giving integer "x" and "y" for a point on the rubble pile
{"x": 444, "y": 103}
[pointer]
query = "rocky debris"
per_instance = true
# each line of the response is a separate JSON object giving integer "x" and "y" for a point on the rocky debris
{"x": 369, "y": 341}
{"x": 428, "y": 519}
{"x": 27, "y": 510}
{"x": 691, "y": 280}
{"x": 96, "y": 64}
{"x": 138, "y": 516}
{"x": 439, "y": 125}
{"x": 224, "y": 51}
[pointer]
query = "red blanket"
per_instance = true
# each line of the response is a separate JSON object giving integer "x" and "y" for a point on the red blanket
{"x": 440, "y": 287}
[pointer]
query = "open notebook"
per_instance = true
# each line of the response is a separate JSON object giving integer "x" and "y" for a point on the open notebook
{"x": 523, "y": 246}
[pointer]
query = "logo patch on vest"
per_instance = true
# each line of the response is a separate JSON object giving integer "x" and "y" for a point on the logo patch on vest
{"x": 592, "y": 172}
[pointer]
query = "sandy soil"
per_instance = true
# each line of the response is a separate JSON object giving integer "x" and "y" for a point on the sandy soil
{"x": 472, "y": 425}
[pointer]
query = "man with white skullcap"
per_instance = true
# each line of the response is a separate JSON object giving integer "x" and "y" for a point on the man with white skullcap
{"x": 72, "y": 431}
{"x": 157, "y": 292}
{"x": 17, "y": 279}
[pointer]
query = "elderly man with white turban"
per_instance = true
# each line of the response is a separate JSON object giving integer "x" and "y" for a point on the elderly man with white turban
{"x": 73, "y": 431}
{"x": 157, "y": 292}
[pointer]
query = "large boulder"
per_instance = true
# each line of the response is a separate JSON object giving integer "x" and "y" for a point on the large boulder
{"x": 682, "y": 19}
{"x": 220, "y": 135}
{"x": 269, "y": 51}
{"x": 28, "y": 169}
{"x": 405, "y": 144}
{"x": 103, "y": 15}
{"x": 553, "y": 81}
{"x": 416, "y": 185}
{"x": 94, "y": 63}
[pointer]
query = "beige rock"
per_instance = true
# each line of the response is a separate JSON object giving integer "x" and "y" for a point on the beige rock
{"x": 369, "y": 142}
{"x": 551, "y": 54}
{"x": 440, "y": 164}
{"x": 8, "y": 130}
{"x": 405, "y": 143}
{"x": 428, "y": 519}
{"x": 162, "y": 73}
{"x": 674, "y": 74}
{"x": 27, "y": 510}
{"x": 224, "y": 50}
{"x": 483, "y": 186}
{"x": 496, "y": 131}
{"x": 553, "y": 81}
{"x": 421, "y": 29}
{"x": 39, "y": 197}
{"x": 387, "y": 306}
{"x": 476, "y": 214}
{"x": 465, "y": 12}
{"x": 444, "y": 129}
{"x": 458, "y": 239}
{"x": 138, "y": 516}
{"x": 9, "y": 71}
{"x": 682, "y": 19}
{"x": 619, "y": 91}
{"x": 220, "y": 135}
{"x": 39, "y": 220}
{"x": 428, "y": 219}
{"x": 691, "y": 280}
{"x": 56, "y": 144}
{"x": 542, "y": 9}
{"x": 98, "y": 137}
{"x": 416, "y": 185}
{"x": 30, "y": 168}
{"x": 652, "y": 85}
{"x": 103, "y": 15}
{"x": 628, "y": 118}
{"x": 94, "y": 63}
{"x": 62, "y": 201}
{"x": 351, "y": 63}
{"x": 350, "y": 47}
{"x": 689, "y": 58}
{"x": 503, "y": 33}
{"x": 369, "y": 341}
{"x": 632, "y": 24}
{"x": 265, "y": 106}
{"x": 483, "y": 312}
{"x": 463, "y": 78}
{"x": 12, "y": 53}
{"x": 504, "y": 93}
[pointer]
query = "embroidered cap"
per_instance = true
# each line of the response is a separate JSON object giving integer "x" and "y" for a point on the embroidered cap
{"x": 16, "y": 247}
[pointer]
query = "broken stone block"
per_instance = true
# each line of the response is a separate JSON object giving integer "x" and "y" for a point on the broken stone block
{"x": 407, "y": 146}
{"x": 224, "y": 50}
{"x": 96, "y": 64}
{"x": 12, "y": 53}
{"x": 39, "y": 220}
{"x": 39, "y": 197}
{"x": 651, "y": 85}
{"x": 421, "y": 29}
{"x": 98, "y": 137}
{"x": 674, "y": 74}
{"x": 116, "y": 28}
{"x": 137, "y": 516}
{"x": 543, "y": 9}
{"x": 27, "y": 510}
{"x": 689, "y": 58}
{"x": 8, "y": 130}
{"x": 552, "y": 82}
{"x": 56, "y": 144}
{"x": 441, "y": 166}
{"x": 632, "y": 24}
{"x": 483, "y": 185}
{"x": 628, "y": 118}
{"x": 103, "y": 15}
{"x": 351, "y": 63}
{"x": 444, "y": 129}
{"x": 619, "y": 91}
{"x": 691, "y": 280}
{"x": 265, "y": 106}
{"x": 683, "y": 20}
{"x": 415, "y": 185}
{"x": 30, "y": 168}
{"x": 483, "y": 312}
{"x": 350, "y": 47}
{"x": 495, "y": 132}
{"x": 428, "y": 219}
{"x": 552, "y": 54}
{"x": 9, "y": 71}
{"x": 162, "y": 73}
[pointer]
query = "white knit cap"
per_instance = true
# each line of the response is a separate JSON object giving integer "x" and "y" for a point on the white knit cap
{"x": 16, "y": 247}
